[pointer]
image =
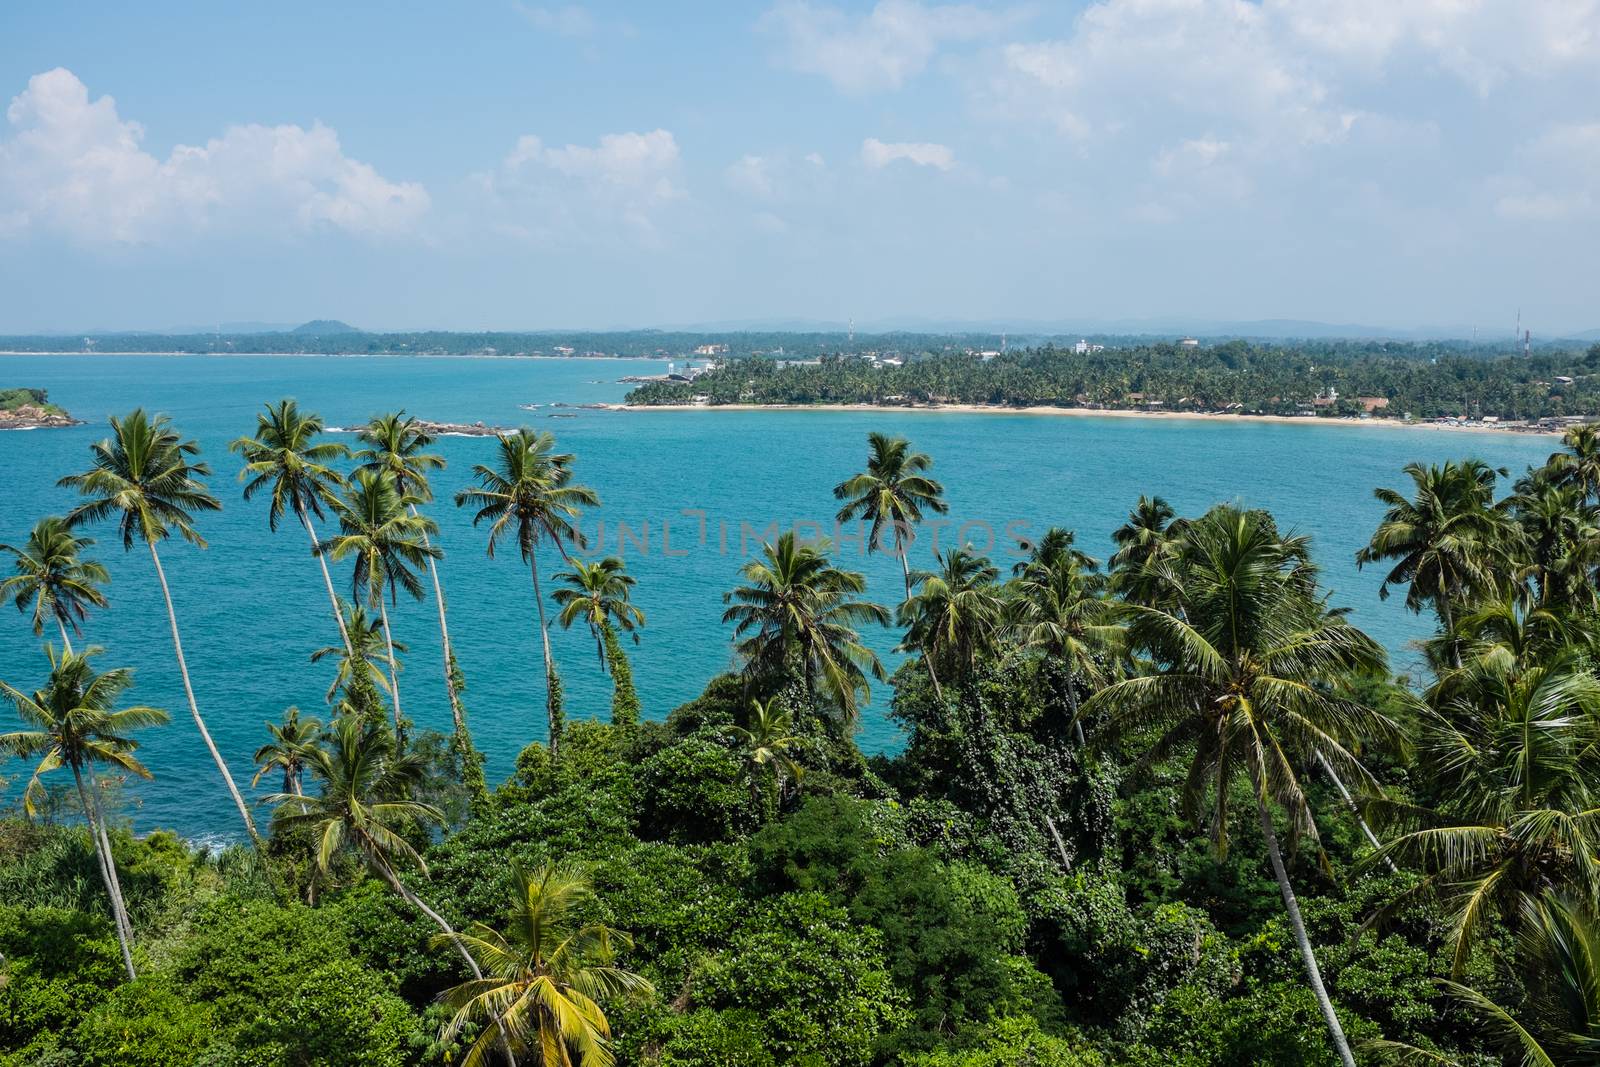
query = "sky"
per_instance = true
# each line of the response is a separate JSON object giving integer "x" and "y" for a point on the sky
{"x": 515, "y": 165}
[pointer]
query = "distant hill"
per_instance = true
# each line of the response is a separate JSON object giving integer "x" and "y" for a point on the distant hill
{"x": 325, "y": 327}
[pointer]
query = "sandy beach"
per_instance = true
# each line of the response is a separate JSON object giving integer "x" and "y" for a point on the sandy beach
{"x": 1100, "y": 413}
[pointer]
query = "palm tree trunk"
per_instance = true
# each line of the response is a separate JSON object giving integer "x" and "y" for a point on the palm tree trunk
{"x": 194, "y": 709}
{"x": 1313, "y": 973}
{"x": 102, "y": 852}
{"x": 1350, "y": 802}
{"x": 549, "y": 660}
{"x": 905, "y": 564}
{"x": 394, "y": 668}
{"x": 66, "y": 642}
{"x": 1072, "y": 702}
{"x": 456, "y": 714}
{"x": 927, "y": 661}
{"x": 327, "y": 580}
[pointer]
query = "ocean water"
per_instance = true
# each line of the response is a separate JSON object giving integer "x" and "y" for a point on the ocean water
{"x": 695, "y": 489}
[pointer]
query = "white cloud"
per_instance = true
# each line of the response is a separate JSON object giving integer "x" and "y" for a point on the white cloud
{"x": 752, "y": 175}
{"x": 879, "y": 50}
{"x": 73, "y": 165}
{"x": 548, "y": 193}
{"x": 877, "y": 154}
{"x": 569, "y": 20}
{"x": 1557, "y": 177}
{"x": 1190, "y": 156}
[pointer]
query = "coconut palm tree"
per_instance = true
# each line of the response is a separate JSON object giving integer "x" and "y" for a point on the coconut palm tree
{"x": 388, "y": 542}
{"x": 285, "y": 459}
{"x": 1579, "y": 464}
{"x": 530, "y": 495}
{"x": 73, "y": 725}
{"x": 53, "y": 577}
{"x": 397, "y": 445}
{"x": 796, "y": 616}
{"x": 1060, "y": 609}
{"x": 1143, "y": 543}
{"x": 767, "y": 739}
{"x": 360, "y": 673}
{"x": 1247, "y": 678}
{"x": 955, "y": 615}
{"x": 145, "y": 478}
{"x": 597, "y": 593}
{"x": 894, "y": 490}
{"x": 293, "y": 746}
{"x": 544, "y": 979}
{"x": 1447, "y": 542}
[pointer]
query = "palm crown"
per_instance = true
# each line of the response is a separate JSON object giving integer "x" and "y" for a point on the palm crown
{"x": 52, "y": 576}
{"x": 529, "y": 495}
{"x": 385, "y": 540}
{"x": 285, "y": 459}
{"x": 143, "y": 476}
{"x": 597, "y": 593}
{"x": 894, "y": 490}
{"x": 396, "y": 444}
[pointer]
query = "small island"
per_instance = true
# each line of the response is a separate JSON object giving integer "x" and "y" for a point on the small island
{"x": 30, "y": 409}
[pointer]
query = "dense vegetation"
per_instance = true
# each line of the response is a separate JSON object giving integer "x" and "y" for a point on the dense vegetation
{"x": 1168, "y": 809}
{"x": 1424, "y": 380}
{"x": 12, "y": 399}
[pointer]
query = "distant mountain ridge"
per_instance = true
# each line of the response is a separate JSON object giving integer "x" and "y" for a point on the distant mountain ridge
{"x": 325, "y": 327}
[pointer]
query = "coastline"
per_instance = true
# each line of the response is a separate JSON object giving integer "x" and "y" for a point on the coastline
{"x": 1105, "y": 413}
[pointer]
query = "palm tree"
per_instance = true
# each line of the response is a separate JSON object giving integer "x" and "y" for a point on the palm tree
{"x": 397, "y": 445}
{"x": 955, "y": 614}
{"x": 73, "y": 725}
{"x": 144, "y": 477}
{"x": 1579, "y": 464}
{"x": 387, "y": 541}
{"x": 797, "y": 616}
{"x": 893, "y": 490}
{"x": 598, "y": 594}
{"x": 1247, "y": 670}
{"x": 293, "y": 746}
{"x": 1061, "y": 610}
{"x": 52, "y": 576}
{"x": 530, "y": 494}
{"x": 1143, "y": 543}
{"x": 359, "y": 673}
{"x": 1446, "y": 542}
{"x": 546, "y": 976}
{"x": 285, "y": 459}
{"x": 767, "y": 740}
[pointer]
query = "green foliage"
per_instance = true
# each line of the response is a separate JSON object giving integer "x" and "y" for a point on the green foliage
{"x": 339, "y": 1015}
{"x": 1015, "y": 1041}
{"x": 146, "y": 1023}
{"x": 694, "y": 791}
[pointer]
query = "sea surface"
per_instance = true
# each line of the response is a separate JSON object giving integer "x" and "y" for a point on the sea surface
{"x": 252, "y": 606}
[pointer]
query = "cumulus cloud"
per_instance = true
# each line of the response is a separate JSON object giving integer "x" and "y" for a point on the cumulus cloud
{"x": 879, "y": 50}
{"x": 74, "y": 166}
{"x": 569, "y": 20}
{"x": 878, "y": 154}
{"x": 550, "y": 192}
{"x": 1558, "y": 177}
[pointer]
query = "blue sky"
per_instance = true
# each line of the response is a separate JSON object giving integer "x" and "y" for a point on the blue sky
{"x": 516, "y": 165}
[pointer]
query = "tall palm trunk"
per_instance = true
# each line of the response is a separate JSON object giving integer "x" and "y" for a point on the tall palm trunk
{"x": 1313, "y": 972}
{"x": 456, "y": 713}
{"x": 549, "y": 660}
{"x": 1350, "y": 802}
{"x": 327, "y": 579}
{"x": 66, "y": 642}
{"x": 108, "y": 872}
{"x": 1072, "y": 702}
{"x": 394, "y": 668}
{"x": 905, "y": 563}
{"x": 194, "y": 709}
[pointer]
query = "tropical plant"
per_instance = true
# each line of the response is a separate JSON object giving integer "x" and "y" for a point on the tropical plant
{"x": 530, "y": 495}
{"x": 955, "y": 615}
{"x": 144, "y": 477}
{"x": 293, "y": 746}
{"x": 1578, "y": 465}
{"x": 598, "y": 594}
{"x": 544, "y": 979}
{"x": 768, "y": 739}
{"x": 397, "y": 445}
{"x": 53, "y": 577}
{"x": 387, "y": 542}
{"x": 1143, "y": 543}
{"x": 360, "y": 673}
{"x": 1247, "y": 674}
{"x": 1061, "y": 610}
{"x": 73, "y": 724}
{"x": 796, "y": 618}
{"x": 894, "y": 490}
{"x": 285, "y": 459}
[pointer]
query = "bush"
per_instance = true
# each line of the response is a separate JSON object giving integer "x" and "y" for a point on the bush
{"x": 146, "y": 1023}
{"x": 694, "y": 791}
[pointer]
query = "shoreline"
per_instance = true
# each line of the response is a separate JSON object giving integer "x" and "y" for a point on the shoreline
{"x": 1076, "y": 412}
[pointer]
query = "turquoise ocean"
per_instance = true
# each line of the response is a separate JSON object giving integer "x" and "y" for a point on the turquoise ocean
{"x": 252, "y": 606}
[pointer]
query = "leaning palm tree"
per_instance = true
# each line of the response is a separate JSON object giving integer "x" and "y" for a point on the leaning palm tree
{"x": 73, "y": 725}
{"x": 529, "y": 494}
{"x": 53, "y": 577}
{"x": 1061, "y": 610}
{"x": 597, "y": 593}
{"x": 387, "y": 541}
{"x": 955, "y": 615}
{"x": 285, "y": 459}
{"x": 894, "y": 490}
{"x": 1579, "y": 464}
{"x": 796, "y": 617}
{"x": 293, "y": 746}
{"x": 144, "y": 477}
{"x": 768, "y": 739}
{"x": 360, "y": 675}
{"x": 1446, "y": 543}
{"x": 1247, "y": 677}
{"x": 397, "y": 445}
{"x": 543, "y": 980}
